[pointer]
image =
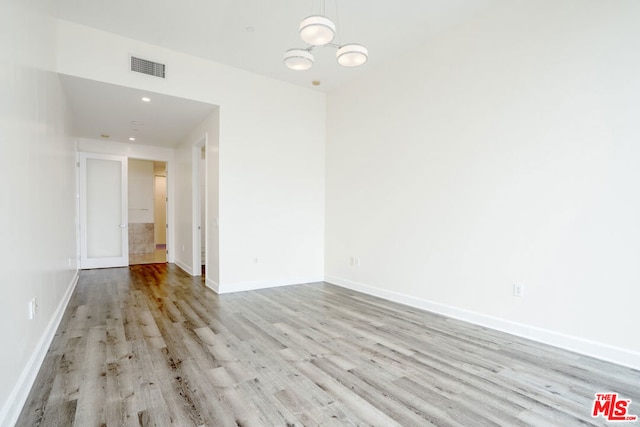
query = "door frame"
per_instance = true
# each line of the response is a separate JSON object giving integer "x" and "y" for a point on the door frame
{"x": 197, "y": 206}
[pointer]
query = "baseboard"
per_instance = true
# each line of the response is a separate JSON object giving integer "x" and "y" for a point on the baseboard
{"x": 214, "y": 286}
{"x": 264, "y": 284}
{"x": 12, "y": 408}
{"x": 595, "y": 349}
{"x": 261, "y": 284}
{"x": 184, "y": 267}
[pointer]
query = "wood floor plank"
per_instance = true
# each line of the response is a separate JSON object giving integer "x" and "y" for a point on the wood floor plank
{"x": 90, "y": 408}
{"x": 370, "y": 414}
{"x": 151, "y": 346}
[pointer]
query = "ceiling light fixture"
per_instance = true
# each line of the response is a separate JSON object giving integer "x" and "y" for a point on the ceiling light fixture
{"x": 145, "y": 99}
{"x": 131, "y": 138}
{"x": 319, "y": 31}
{"x": 352, "y": 55}
{"x": 298, "y": 59}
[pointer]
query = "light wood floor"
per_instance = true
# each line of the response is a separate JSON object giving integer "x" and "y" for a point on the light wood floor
{"x": 157, "y": 257}
{"x": 149, "y": 345}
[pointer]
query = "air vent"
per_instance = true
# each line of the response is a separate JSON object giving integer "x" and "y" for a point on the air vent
{"x": 147, "y": 67}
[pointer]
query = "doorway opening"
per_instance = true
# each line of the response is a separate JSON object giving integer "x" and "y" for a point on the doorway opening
{"x": 203, "y": 210}
{"x": 199, "y": 207}
{"x": 147, "y": 212}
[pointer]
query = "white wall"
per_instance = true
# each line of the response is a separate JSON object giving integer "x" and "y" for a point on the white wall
{"x": 506, "y": 151}
{"x": 187, "y": 152}
{"x": 271, "y": 143}
{"x": 160, "y": 204}
{"x": 212, "y": 201}
{"x": 141, "y": 191}
{"x": 184, "y": 205}
{"x": 37, "y": 204}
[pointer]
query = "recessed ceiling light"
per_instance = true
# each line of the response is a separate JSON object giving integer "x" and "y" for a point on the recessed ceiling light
{"x": 145, "y": 99}
{"x": 316, "y": 82}
{"x": 132, "y": 138}
{"x": 137, "y": 122}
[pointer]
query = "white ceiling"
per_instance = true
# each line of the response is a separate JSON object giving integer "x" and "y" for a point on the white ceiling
{"x": 104, "y": 109}
{"x": 248, "y": 34}
{"x": 254, "y": 34}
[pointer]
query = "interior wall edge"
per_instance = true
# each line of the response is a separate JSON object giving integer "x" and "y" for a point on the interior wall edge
{"x": 266, "y": 284}
{"x": 213, "y": 285}
{"x": 12, "y": 408}
{"x": 608, "y": 353}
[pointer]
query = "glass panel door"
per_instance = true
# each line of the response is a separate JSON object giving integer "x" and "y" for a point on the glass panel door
{"x": 103, "y": 211}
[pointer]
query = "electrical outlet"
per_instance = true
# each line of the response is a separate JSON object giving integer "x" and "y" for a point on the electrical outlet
{"x": 518, "y": 290}
{"x": 33, "y": 308}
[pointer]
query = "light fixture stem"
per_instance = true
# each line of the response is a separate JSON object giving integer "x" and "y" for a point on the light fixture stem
{"x": 338, "y": 31}
{"x": 312, "y": 47}
{"x": 320, "y": 9}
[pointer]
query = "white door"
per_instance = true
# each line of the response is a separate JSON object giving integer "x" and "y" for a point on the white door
{"x": 104, "y": 240}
